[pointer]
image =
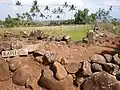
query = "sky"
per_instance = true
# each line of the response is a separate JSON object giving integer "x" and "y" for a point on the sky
{"x": 8, "y": 6}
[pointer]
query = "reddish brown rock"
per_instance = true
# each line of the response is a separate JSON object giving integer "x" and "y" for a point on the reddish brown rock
{"x": 21, "y": 75}
{"x": 50, "y": 83}
{"x": 59, "y": 71}
{"x": 86, "y": 69}
{"x": 101, "y": 81}
{"x": 96, "y": 58}
{"x": 4, "y": 71}
{"x": 15, "y": 63}
{"x": 49, "y": 57}
{"x": 72, "y": 68}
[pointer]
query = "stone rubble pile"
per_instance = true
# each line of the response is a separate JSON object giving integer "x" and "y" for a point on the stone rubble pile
{"x": 94, "y": 35}
{"x": 100, "y": 72}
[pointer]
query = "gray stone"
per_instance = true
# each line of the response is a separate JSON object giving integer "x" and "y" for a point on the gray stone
{"x": 101, "y": 81}
{"x": 108, "y": 58}
{"x": 49, "y": 57}
{"x": 79, "y": 81}
{"x": 96, "y": 67}
{"x": 86, "y": 69}
{"x": 17, "y": 44}
{"x": 39, "y": 59}
{"x": 116, "y": 59}
{"x": 111, "y": 68}
{"x": 96, "y": 58}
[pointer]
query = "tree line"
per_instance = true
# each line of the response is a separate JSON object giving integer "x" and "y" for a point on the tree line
{"x": 34, "y": 15}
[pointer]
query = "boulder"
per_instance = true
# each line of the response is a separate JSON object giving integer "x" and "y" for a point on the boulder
{"x": 21, "y": 75}
{"x": 79, "y": 81}
{"x": 4, "y": 71}
{"x": 39, "y": 59}
{"x": 24, "y": 34}
{"x": 59, "y": 38}
{"x": 5, "y": 46}
{"x": 15, "y": 63}
{"x": 86, "y": 69}
{"x": 66, "y": 38}
{"x": 96, "y": 58}
{"x": 72, "y": 68}
{"x": 8, "y": 34}
{"x": 39, "y": 52}
{"x": 108, "y": 58}
{"x": 49, "y": 57}
{"x": 116, "y": 59}
{"x": 111, "y": 68}
{"x": 36, "y": 34}
{"x": 101, "y": 81}
{"x": 64, "y": 61}
{"x": 17, "y": 44}
{"x": 48, "y": 82}
{"x": 96, "y": 67}
{"x": 59, "y": 71}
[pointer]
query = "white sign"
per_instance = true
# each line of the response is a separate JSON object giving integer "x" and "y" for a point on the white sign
{"x": 14, "y": 52}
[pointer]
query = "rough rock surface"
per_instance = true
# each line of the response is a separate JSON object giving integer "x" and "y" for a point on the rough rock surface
{"x": 15, "y": 63}
{"x": 4, "y": 71}
{"x": 96, "y": 58}
{"x": 59, "y": 70}
{"x": 50, "y": 83}
{"x": 72, "y": 68}
{"x": 86, "y": 69}
{"x": 49, "y": 58}
{"x": 101, "y": 81}
{"x": 96, "y": 67}
{"x": 21, "y": 75}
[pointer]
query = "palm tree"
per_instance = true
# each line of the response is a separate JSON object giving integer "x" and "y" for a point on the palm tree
{"x": 47, "y": 9}
{"x": 65, "y": 6}
{"x": 18, "y": 3}
{"x": 42, "y": 15}
{"x": 35, "y": 8}
{"x": 18, "y": 15}
{"x": 9, "y": 16}
{"x": 72, "y": 8}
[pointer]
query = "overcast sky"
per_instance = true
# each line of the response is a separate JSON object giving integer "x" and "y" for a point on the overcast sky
{"x": 8, "y": 6}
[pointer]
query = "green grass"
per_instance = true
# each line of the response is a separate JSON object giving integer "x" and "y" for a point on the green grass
{"x": 77, "y": 32}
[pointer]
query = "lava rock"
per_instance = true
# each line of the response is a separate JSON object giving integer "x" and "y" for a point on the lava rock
{"x": 48, "y": 82}
{"x": 79, "y": 81}
{"x": 72, "y": 68}
{"x": 116, "y": 59}
{"x": 21, "y": 75}
{"x": 96, "y": 58}
{"x": 64, "y": 61}
{"x": 4, "y": 71}
{"x": 59, "y": 71}
{"x": 86, "y": 69}
{"x": 96, "y": 67}
{"x": 101, "y": 81}
{"x": 24, "y": 34}
{"x": 111, "y": 68}
{"x": 15, "y": 63}
{"x": 39, "y": 59}
{"x": 108, "y": 58}
{"x": 17, "y": 44}
{"x": 49, "y": 58}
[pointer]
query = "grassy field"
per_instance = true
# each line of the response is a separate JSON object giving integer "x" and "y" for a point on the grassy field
{"x": 75, "y": 31}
